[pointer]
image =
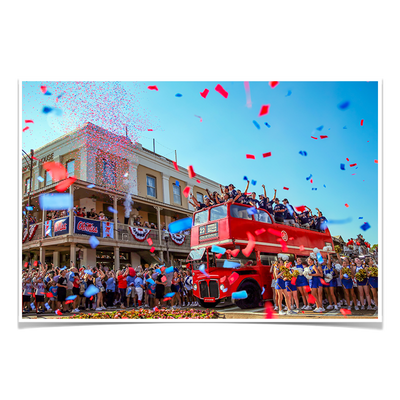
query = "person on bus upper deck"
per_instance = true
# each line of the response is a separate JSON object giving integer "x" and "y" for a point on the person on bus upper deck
{"x": 279, "y": 211}
{"x": 253, "y": 201}
{"x": 200, "y": 206}
{"x": 224, "y": 189}
{"x": 321, "y": 223}
{"x": 232, "y": 191}
{"x": 290, "y": 214}
{"x": 212, "y": 196}
{"x": 266, "y": 203}
{"x": 240, "y": 198}
{"x": 304, "y": 218}
{"x": 226, "y": 199}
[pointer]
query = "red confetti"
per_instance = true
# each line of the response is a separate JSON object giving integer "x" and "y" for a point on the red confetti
{"x": 58, "y": 312}
{"x": 149, "y": 130}
{"x": 300, "y": 208}
{"x": 269, "y": 314}
{"x": 285, "y": 188}
{"x": 186, "y": 191}
{"x": 91, "y": 298}
{"x": 222, "y": 279}
{"x": 175, "y": 165}
{"x": 376, "y": 161}
{"x": 25, "y": 129}
{"x": 64, "y": 185}
{"x": 313, "y": 137}
{"x": 191, "y": 172}
{"x": 56, "y": 170}
{"x": 43, "y": 89}
{"x": 283, "y": 244}
{"x": 68, "y": 301}
{"x": 311, "y": 299}
{"x": 311, "y": 181}
{"x": 353, "y": 165}
{"x": 152, "y": 87}
{"x": 26, "y": 264}
{"x": 362, "y": 122}
{"x": 49, "y": 295}
{"x": 250, "y": 156}
{"x": 221, "y": 91}
{"x": 293, "y": 281}
{"x": 273, "y": 83}
{"x": 267, "y": 154}
{"x": 233, "y": 277}
{"x": 353, "y": 174}
{"x": 218, "y": 255}
{"x": 291, "y": 238}
{"x": 346, "y": 205}
{"x": 307, "y": 289}
{"x": 264, "y": 110}
{"x": 149, "y": 241}
{"x": 152, "y": 249}
{"x": 345, "y": 312}
{"x": 259, "y": 231}
{"x": 323, "y": 136}
{"x": 29, "y": 121}
{"x": 250, "y": 246}
{"x": 347, "y": 159}
{"x": 235, "y": 252}
{"x": 323, "y": 282}
{"x": 204, "y": 93}
{"x": 303, "y": 312}
{"x": 301, "y": 248}
{"x": 198, "y": 181}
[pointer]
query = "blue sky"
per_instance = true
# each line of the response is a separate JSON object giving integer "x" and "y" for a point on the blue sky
{"x": 217, "y": 146}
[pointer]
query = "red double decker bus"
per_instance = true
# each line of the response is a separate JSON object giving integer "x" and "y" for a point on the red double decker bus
{"x": 226, "y": 225}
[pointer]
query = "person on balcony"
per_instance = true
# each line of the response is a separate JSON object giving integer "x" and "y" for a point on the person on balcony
{"x": 279, "y": 211}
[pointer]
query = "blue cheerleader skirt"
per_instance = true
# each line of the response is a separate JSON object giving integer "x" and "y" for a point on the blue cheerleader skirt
{"x": 301, "y": 281}
{"x": 280, "y": 284}
{"x": 373, "y": 282}
{"x": 363, "y": 282}
{"x": 290, "y": 287}
{"x": 314, "y": 282}
{"x": 333, "y": 282}
{"x": 347, "y": 283}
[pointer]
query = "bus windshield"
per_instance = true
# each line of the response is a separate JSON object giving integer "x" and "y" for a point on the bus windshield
{"x": 199, "y": 257}
{"x": 201, "y": 217}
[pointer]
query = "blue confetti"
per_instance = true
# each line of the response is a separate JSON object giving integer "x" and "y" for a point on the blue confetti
{"x": 267, "y": 124}
{"x": 94, "y": 242}
{"x": 90, "y": 186}
{"x": 342, "y": 167}
{"x": 360, "y": 217}
{"x": 217, "y": 249}
{"x": 55, "y": 201}
{"x": 170, "y": 294}
{"x": 303, "y": 153}
{"x": 29, "y": 208}
{"x": 288, "y": 93}
{"x": 319, "y": 258}
{"x": 263, "y": 290}
{"x": 178, "y": 95}
{"x": 91, "y": 291}
{"x": 24, "y": 212}
{"x": 314, "y": 188}
{"x": 239, "y": 295}
{"x": 251, "y": 211}
{"x": 245, "y": 178}
{"x": 88, "y": 272}
{"x": 254, "y": 183}
{"x": 73, "y": 297}
{"x": 309, "y": 177}
{"x": 180, "y": 225}
{"x": 231, "y": 264}
{"x": 203, "y": 270}
{"x": 169, "y": 270}
{"x": 340, "y": 221}
{"x": 256, "y": 125}
{"x": 40, "y": 179}
{"x": 47, "y": 93}
{"x": 320, "y": 128}
{"x": 46, "y": 110}
{"x": 365, "y": 226}
{"x": 345, "y": 127}
{"x": 112, "y": 210}
{"x": 177, "y": 183}
{"x": 150, "y": 281}
{"x": 324, "y": 186}
{"x": 343, "y": 105}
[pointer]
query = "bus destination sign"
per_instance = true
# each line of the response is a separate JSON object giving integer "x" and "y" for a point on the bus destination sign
{"x": 208, "y": 232}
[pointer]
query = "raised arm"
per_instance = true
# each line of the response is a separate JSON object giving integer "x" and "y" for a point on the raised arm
{"x": 247, "y": 186}
{"x": 265, "y": 193}
{"x": 274, "y": 195}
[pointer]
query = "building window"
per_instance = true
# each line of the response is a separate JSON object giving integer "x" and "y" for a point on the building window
{"x": 151, "y": 186}
{"x": 109, "y": 172}
{"x": 199, "y": 197}
{"x": 49, "y": 180}
{"x": 70, "y": 168}
{"x": 27, "y": 185}
{"x": 177, "y": 194}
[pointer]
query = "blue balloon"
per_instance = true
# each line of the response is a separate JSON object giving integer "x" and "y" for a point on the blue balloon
{"x": 239, "y": 295}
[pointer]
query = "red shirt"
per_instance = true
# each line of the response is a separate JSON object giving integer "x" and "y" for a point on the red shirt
{"x": 76, "y": 282}
{"x": 122, "y": 284}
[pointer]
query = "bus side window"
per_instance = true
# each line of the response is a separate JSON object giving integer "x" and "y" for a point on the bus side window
{"x": 262, "y": 216}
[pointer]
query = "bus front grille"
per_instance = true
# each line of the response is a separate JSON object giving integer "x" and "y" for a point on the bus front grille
{"x": 203, "y": 289}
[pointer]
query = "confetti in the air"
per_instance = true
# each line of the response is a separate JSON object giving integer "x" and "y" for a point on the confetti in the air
{"x": 40, "y": 179}
{"x": 343, "y": 105}
{"x": 65, "y": 184}
{"x": 267, "y": 125}
{"x": 221, "y": 91}
{"x": 346, "y": 205}
{"x": 154, "y": 87}
{"x": 25, "y": 129}
{"x": 323, "y": 136}
{"x": 365, "y": 226}
{"x": 253, "y": 182}
{"x": 233, "y": 278}
{"x": 264, "y": 110}
{"x": 251, "y": 211}
{"x": 191, "y": 172}
{"x": 259, "y": 231}
{"x": 250, "y": 156}
{"x": 250, "y": 245}
{"x": 267, "y": 154}
{"x": 288, "y": 93}
{"x": 186, "y": 191}
{"x": 204, "y": 93}
{"x": 312, "y": 137}
{"x": 320, "y": 128}
{"x": 56, "y": 170}
{"x": 239, "y": 295}
{"x": 94, "y": 242}
{"x": 309, "y": 177}
{"x": 91, "y": 291}
{"x": 273, "y": 84}
{"x": 353, "y": 165}
{"x": 55, "y": 201}
{"x": 376, "y": 161}
{"x": 285, "y": 188}
{"x": 46, "y": 110}
{"x": 362, "y": 122}
{"x": 112, "y": 210}
{"x": 218, "y": 249}
{"x": 43, "y": 89}
{"x": 256, "y": 124}
{"x": 303, "y": 153}
{"x": 342, "y": 167}
{"x": 178, "y": 95}
{"x": 180, "y": 225}
{"x": 175, "y": 165}
{"x": 248, "y": 97}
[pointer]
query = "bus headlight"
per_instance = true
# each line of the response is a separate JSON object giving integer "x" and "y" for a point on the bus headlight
{"x": 195, "y": 286}
{"x": 222, "y": 287}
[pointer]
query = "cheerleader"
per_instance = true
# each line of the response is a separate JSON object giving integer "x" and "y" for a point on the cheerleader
{"x": 291, "y": 292}
{"x": 314, "y": 283}
{"x": 301, "y": 282}
{"x": 273, "y": 283}
{"x": 373, "y": 283}
{"x": 347, "y": 285}
{"x": 330, "y": 290}
{"x": 280, "y": 288}
{"x": 363, "y": 288}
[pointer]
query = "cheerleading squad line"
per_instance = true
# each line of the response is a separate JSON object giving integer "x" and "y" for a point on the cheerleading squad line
{"x": 314, "y": 279}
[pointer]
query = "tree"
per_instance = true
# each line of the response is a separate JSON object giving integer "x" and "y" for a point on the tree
{"x": 375, "y": 246}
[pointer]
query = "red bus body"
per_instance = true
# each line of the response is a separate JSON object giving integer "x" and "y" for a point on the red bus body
{"x": 221, "y": 228}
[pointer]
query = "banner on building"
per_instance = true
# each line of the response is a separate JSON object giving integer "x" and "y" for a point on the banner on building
{"x": 140, "y": 234}
{"x": 32, "y": 231}
{"x": 177, "y": 239}
{"x": 47, "y": 228}
{"x": 85, "y": 226}
{"x": 108, "y": 229}
{"x": 61, "y": 226}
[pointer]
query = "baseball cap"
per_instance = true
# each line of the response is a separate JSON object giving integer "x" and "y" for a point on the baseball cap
{"x": 231, "y": 184}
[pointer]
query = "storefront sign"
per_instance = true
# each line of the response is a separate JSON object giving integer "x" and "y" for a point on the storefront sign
{"x": 85, "y": 226}
{"x": 61, "y": 226}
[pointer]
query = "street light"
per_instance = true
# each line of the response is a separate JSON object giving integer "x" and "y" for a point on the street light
{"x": 166, "y": 238}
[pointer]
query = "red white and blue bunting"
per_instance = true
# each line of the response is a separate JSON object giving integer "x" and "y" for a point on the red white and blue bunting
{"x": 177, "y": 239}
{"x": 140, "y": 234}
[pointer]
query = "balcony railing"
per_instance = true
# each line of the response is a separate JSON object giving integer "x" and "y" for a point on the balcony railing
{"x": 122, "y": 234}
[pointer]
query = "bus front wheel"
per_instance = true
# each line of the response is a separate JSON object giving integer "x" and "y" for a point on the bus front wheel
{"x": 253, "y": 295}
